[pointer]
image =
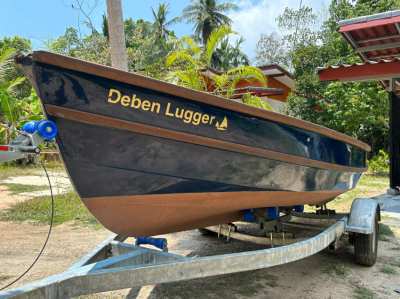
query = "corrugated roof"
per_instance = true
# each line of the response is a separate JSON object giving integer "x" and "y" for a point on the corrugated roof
{"x": 368, "y": 62}
{"x": 374, "y": 37}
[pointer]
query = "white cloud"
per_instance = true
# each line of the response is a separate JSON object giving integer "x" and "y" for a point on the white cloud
{"x": 256, "y": 17}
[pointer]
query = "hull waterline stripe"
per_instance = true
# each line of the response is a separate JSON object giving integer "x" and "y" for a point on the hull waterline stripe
{"x": 197, "y": 96}
{"x": 106, "y": 121}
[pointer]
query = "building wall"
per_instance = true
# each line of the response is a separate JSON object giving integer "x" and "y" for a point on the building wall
{"x": 273, "y": 83}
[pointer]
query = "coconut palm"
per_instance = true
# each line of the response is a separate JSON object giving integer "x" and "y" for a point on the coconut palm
{"x": 228, "y": 56}
{"x": 189, "y": 64}
{"x": 207, "y": 15}
{"x": 161, "y": 23}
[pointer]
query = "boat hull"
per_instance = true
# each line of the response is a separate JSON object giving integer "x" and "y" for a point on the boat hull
{"x": 147, "y": 161}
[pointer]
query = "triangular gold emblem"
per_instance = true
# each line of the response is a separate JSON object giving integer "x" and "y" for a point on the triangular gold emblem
{"x": 223, "y": 125}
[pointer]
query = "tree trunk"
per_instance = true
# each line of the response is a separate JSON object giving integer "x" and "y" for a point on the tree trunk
{"x": 119, "y": 58}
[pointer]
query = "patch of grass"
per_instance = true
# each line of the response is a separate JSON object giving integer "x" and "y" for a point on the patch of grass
{"x": 363, "y": 293}
{"x": 68, "y": 207}
{"x": 388, "y": 270}
{"x": 21, "y": 188}
{"x": 385, "y": 232}
{"x": 9, "y": 170}
{"x": 339, "y": 270}
{"x": 395, "y": 263}
{"x": 369, "y": 185}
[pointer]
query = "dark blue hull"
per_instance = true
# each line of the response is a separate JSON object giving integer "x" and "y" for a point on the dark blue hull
{"x": 139, "y": 149}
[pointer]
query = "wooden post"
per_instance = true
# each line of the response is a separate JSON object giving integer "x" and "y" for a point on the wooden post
{"x": 394, "y": 126}
{"x": 116, "y": 33}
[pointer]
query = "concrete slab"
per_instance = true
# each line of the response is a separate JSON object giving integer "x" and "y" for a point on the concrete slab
{"x": 389, "y": 203}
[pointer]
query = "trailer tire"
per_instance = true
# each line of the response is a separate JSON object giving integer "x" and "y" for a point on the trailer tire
{"x": 366, "y": 246}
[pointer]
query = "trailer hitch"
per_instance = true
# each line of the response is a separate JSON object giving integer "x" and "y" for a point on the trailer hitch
{"x": 31, "y": 135}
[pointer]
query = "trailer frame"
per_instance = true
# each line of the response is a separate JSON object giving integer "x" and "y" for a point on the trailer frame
{"x": 115, "y": 264}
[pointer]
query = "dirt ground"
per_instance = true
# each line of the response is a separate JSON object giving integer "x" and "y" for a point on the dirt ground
{"x": 324, "y": 275}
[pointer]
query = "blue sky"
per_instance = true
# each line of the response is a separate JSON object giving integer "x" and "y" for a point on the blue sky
{"x": 41, "y": 20}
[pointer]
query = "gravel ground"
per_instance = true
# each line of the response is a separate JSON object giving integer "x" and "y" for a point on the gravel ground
{"x": 324, "y": 275}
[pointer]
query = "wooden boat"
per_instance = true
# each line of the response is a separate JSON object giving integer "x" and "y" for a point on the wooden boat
{"x": 148, "y": 157}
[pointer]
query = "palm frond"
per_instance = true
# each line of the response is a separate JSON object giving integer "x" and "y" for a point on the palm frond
{"x": 247, "y": 73}
{"x": 191, "y": 45}
{"x": 6, "y": 61}
{"x": 14, "y": 84}
{"x": 188, "y": 78}
{"x": 255, "y": 101}
{"x": 223, "y": 7}
{"x": 180, "y": 57}
{"x": 213, "y": 41}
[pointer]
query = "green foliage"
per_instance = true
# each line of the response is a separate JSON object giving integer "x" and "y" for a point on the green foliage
{"x": 388, "y": 270}
{"x": 363, "y": 293}
{"x": 161, "y": 22}
{"x": 68, "y": 207}
{"x": 356, "y": 109}
{"x": 228, "y": 56}
{"x": 207, "y": 16}
{"x": 18, "y": 101}
{"x": 20, "y": 188}
{"x": 93, "y": 47}
{"x": 189, "y": 63}
{"x": 379, "y": 164}
{"x": 254, "y": 101}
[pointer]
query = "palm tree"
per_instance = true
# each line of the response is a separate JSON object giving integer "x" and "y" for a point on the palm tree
{"x": 189, "y": 63}
{"x": 228, "y": 56}
{"x": 161, "y": 23}
{"x": 207, "y": 15}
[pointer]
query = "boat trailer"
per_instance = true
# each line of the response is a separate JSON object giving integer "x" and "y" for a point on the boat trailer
{"x": 118, "y": 264}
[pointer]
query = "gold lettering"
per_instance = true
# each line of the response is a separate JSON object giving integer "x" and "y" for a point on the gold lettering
{"x": 187, "y": 117}
{"x": 136, "y": 102}
{"x": 125, "y": 101}
{"x": 205, "y": 119}
{"x": 111, "y": 93}
{"x": 212, "y": 119}
{"x": 179, "y": 113}
{"x": 196, "y": 118}
{"x": 146, "y": 105}
{"x": 167, "y": 112}
{"x": 155, "y": 107}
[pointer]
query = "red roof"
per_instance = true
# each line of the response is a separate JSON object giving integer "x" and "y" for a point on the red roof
{"x": 376, "y": 38}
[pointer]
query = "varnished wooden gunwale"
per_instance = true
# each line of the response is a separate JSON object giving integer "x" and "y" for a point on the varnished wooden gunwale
{"x": 198, "y": 96}
{"x": 106, "y": 121}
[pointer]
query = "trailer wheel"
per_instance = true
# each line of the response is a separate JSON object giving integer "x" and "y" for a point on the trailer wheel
{"x": 366, "y": 246}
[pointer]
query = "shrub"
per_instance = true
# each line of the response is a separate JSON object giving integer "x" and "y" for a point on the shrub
{"x": 379, "y": 164}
